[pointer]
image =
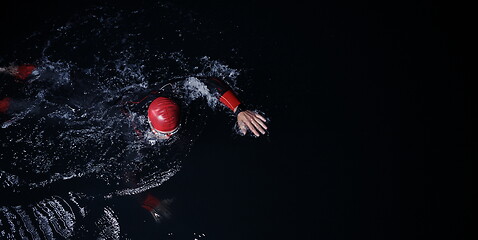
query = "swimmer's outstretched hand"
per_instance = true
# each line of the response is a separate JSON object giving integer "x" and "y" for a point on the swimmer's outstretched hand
{"x": 252, "y": 121}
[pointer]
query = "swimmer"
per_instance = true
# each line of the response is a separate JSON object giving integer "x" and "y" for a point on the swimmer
{"x": 164, "y": 114}
{"x": 164, "y": 120}
{"x": 162, "y": 110}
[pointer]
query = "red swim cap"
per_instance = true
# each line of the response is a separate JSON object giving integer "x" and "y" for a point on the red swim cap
{"x": 163, "y": 115}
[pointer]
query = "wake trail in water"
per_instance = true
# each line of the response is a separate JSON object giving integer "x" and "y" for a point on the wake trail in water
{"x": 57, "y": 218}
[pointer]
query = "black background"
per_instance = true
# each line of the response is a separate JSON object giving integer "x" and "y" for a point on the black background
{"x": 367, "y": 114}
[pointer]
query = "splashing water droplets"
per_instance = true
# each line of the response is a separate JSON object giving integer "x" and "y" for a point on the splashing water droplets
{"x": 70, "y": 128}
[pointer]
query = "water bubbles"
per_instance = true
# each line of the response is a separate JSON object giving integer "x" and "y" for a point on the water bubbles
{"x": 198, "y": 236}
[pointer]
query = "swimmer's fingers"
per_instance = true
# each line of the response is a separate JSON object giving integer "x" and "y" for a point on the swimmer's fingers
{"x": 254, "y": 122}
{"x": 257, "y": 124}
{"x": 260, "y": 120}
{"x": 260, "y": 117}
{"x": 252, "y": 128}
{"x": 244, "y": 121}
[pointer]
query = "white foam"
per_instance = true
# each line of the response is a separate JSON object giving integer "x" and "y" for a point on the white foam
{"x": 70, "y": 125}
{"x": 108, "y": 225}
{"x": 196, "y": 89}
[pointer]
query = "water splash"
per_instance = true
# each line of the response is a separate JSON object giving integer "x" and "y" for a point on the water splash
{"x": 51, "y": 218}
{"x": 69, "y": 124}
{"x": 67, "y": 129}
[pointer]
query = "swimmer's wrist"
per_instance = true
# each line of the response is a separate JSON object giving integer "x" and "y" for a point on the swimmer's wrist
{"x": 240, "y": 108}
{"x": 230, "y": 100}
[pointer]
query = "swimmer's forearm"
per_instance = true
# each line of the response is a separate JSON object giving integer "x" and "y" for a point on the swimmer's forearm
{"x": 224, "y": 92}
{"x": 230, "y": 100}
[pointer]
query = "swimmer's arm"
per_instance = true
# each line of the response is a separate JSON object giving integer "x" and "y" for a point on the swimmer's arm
{"x": 222, "y": 91}
{"x": 246, "y": 119}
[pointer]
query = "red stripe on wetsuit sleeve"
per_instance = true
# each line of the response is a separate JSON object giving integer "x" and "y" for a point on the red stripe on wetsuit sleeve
{"x": 230, "y": 100}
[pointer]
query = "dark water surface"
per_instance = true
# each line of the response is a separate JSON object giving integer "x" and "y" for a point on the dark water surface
{"x": 365, "y": 102}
